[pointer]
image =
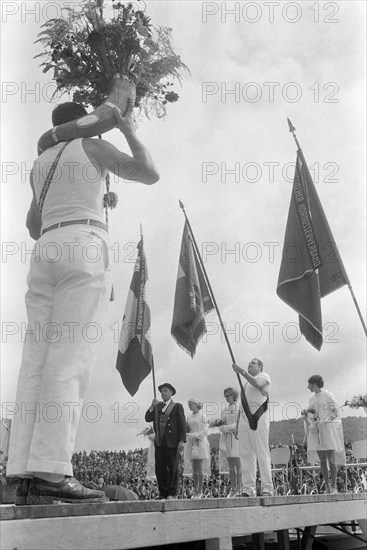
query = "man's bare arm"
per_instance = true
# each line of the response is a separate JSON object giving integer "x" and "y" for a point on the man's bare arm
{"x": 256, "y": 382}
{"x": 138, "y": 167}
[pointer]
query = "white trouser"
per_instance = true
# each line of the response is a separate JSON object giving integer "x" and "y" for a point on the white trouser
{"x": 254, "y": 445}
{"x": 69, "y": 287}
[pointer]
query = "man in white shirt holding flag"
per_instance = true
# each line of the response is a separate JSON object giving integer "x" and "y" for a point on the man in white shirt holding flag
{"x": 253, "y": 430}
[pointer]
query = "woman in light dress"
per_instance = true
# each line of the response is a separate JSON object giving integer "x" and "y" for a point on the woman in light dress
{"x": 150, "y": 467}
{"x": 324, "y": 431}
{"x": 228, "y": 442}
{"x": 197, "y": 449}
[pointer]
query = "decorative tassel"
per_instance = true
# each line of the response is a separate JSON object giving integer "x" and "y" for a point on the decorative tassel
{"x": 110, "y": 200}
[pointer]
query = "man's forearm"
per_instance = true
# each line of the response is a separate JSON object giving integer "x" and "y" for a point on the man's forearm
{"x": 140, "y": 152}
{"x": 251, "y": 379}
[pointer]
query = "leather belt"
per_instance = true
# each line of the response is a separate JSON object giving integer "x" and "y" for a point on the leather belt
{"x": 96, "y": 223}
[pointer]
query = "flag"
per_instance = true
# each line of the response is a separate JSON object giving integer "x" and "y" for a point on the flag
{"x": 311, "y": 266}
{"x": 192, "y": 298}
{"x": 135, "y": 357}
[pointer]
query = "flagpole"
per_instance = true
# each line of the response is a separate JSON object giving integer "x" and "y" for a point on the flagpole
{"x": 299, "y": 150}
{"x": 153, "y": 372}
{"x": 292, "y": 130}
{"x": 211, "y": 291}
{"x": 357, "y": 308}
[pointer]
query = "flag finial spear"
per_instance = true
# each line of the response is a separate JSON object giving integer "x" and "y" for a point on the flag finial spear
{"x": 181, "y": 205}
{"x": 291, "y": 127}
{"x": 141, "y": 230}
{"x": 293, "y": 132}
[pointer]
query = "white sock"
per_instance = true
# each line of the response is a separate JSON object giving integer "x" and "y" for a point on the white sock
{"x": 52, "y": 478}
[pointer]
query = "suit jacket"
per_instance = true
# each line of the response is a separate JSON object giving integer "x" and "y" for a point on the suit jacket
{"x": 176, "y": 424}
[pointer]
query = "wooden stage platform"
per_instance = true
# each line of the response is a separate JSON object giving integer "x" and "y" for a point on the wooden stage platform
{"x": 142, "y": 524}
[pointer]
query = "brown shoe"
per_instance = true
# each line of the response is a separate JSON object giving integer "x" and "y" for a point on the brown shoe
{"x": 22, "y": 491}
{"x": 68, "y": 490}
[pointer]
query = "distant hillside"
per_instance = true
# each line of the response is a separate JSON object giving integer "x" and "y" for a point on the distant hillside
{"x": 355, "y": 428}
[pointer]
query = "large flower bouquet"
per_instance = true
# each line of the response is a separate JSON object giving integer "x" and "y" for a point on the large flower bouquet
{"x": 311, "y": 418}
{"x": 357, "y": 401}
{"x": 216, "y": 423}
{"x": 86, "y": 52}
{"x": 146, "y": 432}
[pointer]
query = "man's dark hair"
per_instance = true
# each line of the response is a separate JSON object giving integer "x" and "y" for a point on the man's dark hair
{"x": 316, "y": 379}
{"x": 259, "y": 362}
{"x": 66, "y": 112}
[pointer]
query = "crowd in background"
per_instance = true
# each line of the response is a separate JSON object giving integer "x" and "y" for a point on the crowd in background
{"x": 128, "y": 468}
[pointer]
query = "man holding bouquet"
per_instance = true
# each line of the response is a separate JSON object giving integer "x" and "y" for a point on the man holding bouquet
{"x": 64, "y": 296}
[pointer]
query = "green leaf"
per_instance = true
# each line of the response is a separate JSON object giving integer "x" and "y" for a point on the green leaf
{"x": 47, "y": 68}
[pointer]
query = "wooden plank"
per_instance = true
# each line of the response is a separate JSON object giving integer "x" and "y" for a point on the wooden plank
{"x": 7, "y": 511}
{"x": 86, "y": 509}
{"x": 124, "y": 507}
{"x": 208, "y": 503}
{"x": 128, "y": 531}
{"x": 289, "y": 500}
{"x": 359, "y": 496}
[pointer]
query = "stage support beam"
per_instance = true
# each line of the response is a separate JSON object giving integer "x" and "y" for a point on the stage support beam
{"x": 308, "y": 537}
{"x": 222, "y": 543}
{"x": 142, "y": 524}
{"x": 258, "y": 541}
{"x": 283, "y": 539}
{"x": 363, "y": 525}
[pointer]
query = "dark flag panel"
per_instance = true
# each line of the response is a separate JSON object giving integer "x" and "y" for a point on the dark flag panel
{"x": 192, "y": 298}
{"x": 311, "y": 266}
{"x": 135, "y": 358}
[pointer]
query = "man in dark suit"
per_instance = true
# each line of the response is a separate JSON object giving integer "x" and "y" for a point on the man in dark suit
{"x": 170, "y": 436}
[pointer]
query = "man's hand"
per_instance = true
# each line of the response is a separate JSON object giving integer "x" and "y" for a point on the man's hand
{"x": 125, "y": 123}
{"x": 154, "y": 403}
{"x": 237, "y": 369}
{"x": 181, "y": 446}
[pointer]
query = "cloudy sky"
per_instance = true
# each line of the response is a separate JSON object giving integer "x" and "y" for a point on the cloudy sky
{"x": 224, "y": 149}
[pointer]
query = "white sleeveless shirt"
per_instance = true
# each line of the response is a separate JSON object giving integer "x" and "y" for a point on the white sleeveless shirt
{"x": 76, "y": 190}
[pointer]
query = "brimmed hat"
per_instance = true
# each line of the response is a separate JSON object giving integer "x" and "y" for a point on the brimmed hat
{"x": 167, "y": 385}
